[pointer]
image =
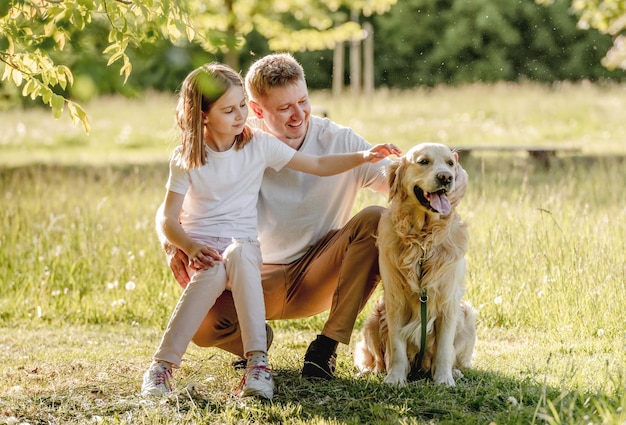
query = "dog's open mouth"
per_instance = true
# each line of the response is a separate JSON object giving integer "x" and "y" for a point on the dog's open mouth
{"x": 434, "y": 201}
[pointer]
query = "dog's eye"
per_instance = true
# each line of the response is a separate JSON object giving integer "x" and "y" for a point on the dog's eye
{"x": 424, "y": 161}
{"x": 451, "y": 163}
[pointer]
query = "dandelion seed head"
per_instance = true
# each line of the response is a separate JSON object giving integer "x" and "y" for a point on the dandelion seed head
{"x": 16, "y": 389}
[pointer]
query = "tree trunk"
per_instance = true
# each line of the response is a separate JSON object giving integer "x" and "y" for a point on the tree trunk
{"x": 355, "y": 60}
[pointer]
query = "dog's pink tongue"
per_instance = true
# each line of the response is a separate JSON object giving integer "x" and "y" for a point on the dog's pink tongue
{"x": 439, "y": 202}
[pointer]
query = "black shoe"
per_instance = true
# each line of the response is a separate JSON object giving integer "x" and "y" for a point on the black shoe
{"x": 241, "y": 363}
{"x": 320, "y": 359}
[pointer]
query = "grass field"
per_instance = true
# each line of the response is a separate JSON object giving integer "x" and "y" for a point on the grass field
{"x": 85, "y": 292}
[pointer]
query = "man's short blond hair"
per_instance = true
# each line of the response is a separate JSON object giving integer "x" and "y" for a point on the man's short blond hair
{"x": 274, "y": 70}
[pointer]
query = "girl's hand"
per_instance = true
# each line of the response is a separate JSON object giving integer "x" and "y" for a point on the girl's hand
{"x": 202, "y": 257}
{"x": 381, "y": 151}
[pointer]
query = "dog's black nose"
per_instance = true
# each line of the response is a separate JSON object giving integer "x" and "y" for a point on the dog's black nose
{"x": 445, "y": 177}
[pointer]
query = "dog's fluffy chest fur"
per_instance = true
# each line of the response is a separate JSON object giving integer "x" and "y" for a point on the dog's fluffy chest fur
{"x": 418, "y": 242}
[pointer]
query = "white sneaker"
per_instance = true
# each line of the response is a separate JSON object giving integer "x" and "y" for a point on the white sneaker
{"x": 257, "y": 379}
{"x": 156, "y": 380}
{"x": 241, "y": 363}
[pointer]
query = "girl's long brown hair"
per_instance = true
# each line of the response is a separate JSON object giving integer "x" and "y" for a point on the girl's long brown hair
{"x": 199, "y": 91}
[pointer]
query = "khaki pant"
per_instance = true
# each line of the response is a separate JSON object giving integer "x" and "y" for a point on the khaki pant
{"x": 338, "y": 273}
{"x": 238, "y": 275}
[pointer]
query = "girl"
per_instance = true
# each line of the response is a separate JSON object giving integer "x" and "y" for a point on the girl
{"x": 210, "y": 214}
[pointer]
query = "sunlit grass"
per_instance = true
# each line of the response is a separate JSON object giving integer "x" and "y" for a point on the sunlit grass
{"x": 585, "y": 116}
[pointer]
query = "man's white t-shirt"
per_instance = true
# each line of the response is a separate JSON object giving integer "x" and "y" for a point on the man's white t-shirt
{"x": 221, "y": 196}
{"x": 296, "y": 209}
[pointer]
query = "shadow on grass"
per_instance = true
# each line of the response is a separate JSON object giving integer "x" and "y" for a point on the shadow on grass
{"x": 479, "y": 398}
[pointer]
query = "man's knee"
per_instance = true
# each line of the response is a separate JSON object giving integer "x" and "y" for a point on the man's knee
{"x": 369, "y": 217}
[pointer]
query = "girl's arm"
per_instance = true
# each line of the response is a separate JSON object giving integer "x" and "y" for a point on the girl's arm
{"x": 200, "y": 256}
{"x": 338, "y": 163}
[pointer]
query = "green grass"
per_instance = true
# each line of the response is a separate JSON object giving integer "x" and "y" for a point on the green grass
{"x": 85, "y": 292}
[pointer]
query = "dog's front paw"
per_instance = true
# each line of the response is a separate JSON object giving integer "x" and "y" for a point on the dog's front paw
{"x": 396, "y": 379}
{"x": 457, "y": 374}
{"x": 444, "y": 378}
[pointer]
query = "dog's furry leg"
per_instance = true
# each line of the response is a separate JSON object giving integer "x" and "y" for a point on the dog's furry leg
{"x": 396, "y": 361}
{"x": 445, "y": 354}
{"x": 465, "y": 337}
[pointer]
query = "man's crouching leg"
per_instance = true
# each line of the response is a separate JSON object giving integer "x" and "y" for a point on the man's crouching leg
{"x": 354, "y": 253}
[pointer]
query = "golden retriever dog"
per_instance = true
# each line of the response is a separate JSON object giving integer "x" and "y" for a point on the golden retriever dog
{"x": 422, "y": 243}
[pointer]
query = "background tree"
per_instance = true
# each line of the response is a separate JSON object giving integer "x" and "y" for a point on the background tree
{"x": 30, "y": 29}
{"x": 42, "y": 41}
{"x": 608, "y": 17}
{"x": 60, "y": 52}
{"x": 428, "y": 42}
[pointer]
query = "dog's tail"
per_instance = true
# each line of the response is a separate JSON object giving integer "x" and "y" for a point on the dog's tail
{"x": 363, "y": 358}
{"x": 369, "y": 353}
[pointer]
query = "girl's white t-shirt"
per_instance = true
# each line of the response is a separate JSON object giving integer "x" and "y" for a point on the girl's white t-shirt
{"x": 221, "y": 196}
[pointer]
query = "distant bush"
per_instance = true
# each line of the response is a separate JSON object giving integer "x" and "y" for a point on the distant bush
{"x": 427, "y": 42}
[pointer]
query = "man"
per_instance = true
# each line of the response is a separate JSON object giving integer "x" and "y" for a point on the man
{"x": 316, "y": 258}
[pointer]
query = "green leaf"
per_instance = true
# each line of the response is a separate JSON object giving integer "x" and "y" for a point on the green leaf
{"x": 5, "y": 6}
{"x": 115, "y": 57}
{"x": 126, "y": 68}
{"x": 78, "y": 115}
{"x": 46, "y": 94}
{"x": 17, "y": 77}
{"x": 57, "y": 104}
{"x": 7, "y": 73}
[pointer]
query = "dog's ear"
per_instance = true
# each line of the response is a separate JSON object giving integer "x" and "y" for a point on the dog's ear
{"x": 396, "y": 173}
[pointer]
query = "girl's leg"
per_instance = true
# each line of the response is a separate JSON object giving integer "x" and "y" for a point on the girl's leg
{"x": 243, "y": 267}
{"x": 193, "y": 305}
